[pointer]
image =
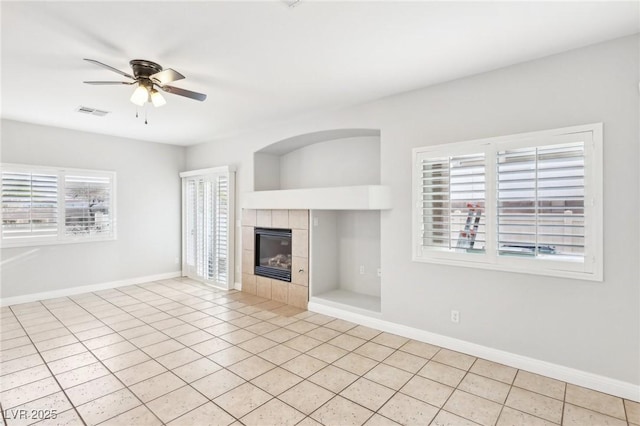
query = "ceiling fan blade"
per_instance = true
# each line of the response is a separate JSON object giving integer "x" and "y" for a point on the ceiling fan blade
{"x": 109, "y": 82}
{"x": 183, "y": 92}
{"x": 166, "y": 76}
{"x": 93, "y": 61}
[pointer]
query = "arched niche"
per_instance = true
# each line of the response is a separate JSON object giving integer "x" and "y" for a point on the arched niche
{"x": 328, "y": 158}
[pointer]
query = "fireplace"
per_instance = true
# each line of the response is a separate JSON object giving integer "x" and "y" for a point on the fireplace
{"x": 273, "y": 253}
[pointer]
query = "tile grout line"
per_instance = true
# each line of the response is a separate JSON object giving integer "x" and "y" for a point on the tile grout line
{"x": 153, "y": 358}
{"x": 511, "y": 386}
{"x": 101, "y": 363}
{"x": 73, "y": 407}
{"x": 182, "y": 300}
{"x": 336, "y": 394}
{"x": 412, "y": 377}
{"x": 246, "y": 381}
{"x": 141, "y": 348}
{"x": 186, "y": 346}
{"x": 454, "y": 390}
{"x": 299, "y": 334}
{"x": 564, "y": 403}
{"x": 303, "y": 378}
{"x": 189, "y": 384}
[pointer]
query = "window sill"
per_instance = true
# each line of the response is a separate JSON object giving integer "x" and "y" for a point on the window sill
{"x": 42, "y": 242}
{"x": 535, "y": 267}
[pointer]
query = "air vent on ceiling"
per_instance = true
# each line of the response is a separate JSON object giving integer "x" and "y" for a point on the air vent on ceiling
{"x": 92, "y": 111}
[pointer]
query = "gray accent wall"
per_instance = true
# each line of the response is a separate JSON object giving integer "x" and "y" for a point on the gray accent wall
{"x": 589, "y": 326}
{"x": 147, "y": 215}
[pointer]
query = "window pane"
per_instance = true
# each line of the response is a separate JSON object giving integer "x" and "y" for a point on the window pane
{"x": 541, "y": 201}
{"x": 468, "y": 202}
{"x": 88, "y": 206}
{"x": 29, "y": 204}
{"x": 453, "y": 201}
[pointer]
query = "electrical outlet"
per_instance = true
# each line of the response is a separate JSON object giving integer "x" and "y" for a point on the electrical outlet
{"x": 176, "y": 260}
{"x": 379, "y": 272}
{"x": 315, "y": 221}
{"x": 361, "y": 269}
{"x": 455, "y": 317}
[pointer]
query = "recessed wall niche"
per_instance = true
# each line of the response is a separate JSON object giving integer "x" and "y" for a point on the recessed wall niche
{"x": 324, "y": 159}
{"x": 343, "y": 264}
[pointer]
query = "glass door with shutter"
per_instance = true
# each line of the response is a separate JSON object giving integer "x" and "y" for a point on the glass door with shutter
{"x": 208, "y": 227}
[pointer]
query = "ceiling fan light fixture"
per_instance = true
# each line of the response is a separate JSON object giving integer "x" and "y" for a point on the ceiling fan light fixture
{"x": 140, "y": 95}
{"x": 157, "y": 99}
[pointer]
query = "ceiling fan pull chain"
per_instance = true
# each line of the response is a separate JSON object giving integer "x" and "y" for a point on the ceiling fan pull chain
{"x": 145, "y": 114}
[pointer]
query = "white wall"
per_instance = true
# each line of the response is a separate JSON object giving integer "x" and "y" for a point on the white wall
{"x": 341, "y": 242}
{"x": 359, "y": 245}
{"x": 335, "y": 162}
{"x": 584, "y": 325}
{"x": 266, "y": 171}
{"x": 148, "y": 210}
{"x": 323, "y": 257}
{"x": 341, "y": 162}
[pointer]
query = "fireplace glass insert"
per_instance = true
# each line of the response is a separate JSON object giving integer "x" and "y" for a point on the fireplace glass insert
{"x": 273, "y": 253}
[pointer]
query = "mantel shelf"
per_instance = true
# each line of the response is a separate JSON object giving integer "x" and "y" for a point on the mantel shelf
{"x": 362, "y": 197}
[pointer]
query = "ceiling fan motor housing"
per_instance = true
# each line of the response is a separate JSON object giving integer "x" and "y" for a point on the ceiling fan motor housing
{"x": 143, "y": 68}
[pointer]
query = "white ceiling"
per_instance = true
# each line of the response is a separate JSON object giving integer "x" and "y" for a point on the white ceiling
{"x": 263, "y": 62}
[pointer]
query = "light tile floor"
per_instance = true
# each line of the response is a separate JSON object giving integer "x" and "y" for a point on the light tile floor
{"x": 178, "y": 353}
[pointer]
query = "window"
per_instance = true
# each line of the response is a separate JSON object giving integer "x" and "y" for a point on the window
{"x": 42, "y": 205}
{"x": 526, "y": 203}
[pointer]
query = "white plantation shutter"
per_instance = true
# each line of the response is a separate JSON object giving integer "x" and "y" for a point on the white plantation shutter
{"x": 43, "y": 205}
{"x": 209, "y": 231}
{"x": 88, "y": 205}
{"x": 222, "y": 228}
{"x": 207, "y": 226}
{"x": 541, "y": 201}
{"x": 200, "y": 235}
{"x": 190, "y": 219}
{"x": 452, "y": 202}
{"x": 435, "y": 202}
{"x": 536, "y": 199}
{"x": 29, "y": 204}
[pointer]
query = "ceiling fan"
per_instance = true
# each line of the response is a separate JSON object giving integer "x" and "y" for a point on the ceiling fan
{"x": 148, "y": 76}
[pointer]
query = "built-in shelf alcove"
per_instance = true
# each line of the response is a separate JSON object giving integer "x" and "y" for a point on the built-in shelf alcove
{"x": 331, "y": 158}
{"x": 345, "y": 259}
{"x": 335, "y": 176}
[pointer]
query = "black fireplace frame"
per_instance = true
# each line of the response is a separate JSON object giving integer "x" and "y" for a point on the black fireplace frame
{"x": 268, "y": 271}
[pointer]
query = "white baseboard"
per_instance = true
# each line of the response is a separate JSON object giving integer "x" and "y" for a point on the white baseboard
{"x": 559, "y": 372}
{"x": 26, "y": 298}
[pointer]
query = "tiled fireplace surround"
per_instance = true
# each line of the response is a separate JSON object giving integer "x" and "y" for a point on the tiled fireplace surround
{"x": 295, "y": 293}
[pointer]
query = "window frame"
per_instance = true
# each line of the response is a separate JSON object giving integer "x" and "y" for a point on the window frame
{"x": 60, "y": 237}
{"x": 592, "y": 266}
